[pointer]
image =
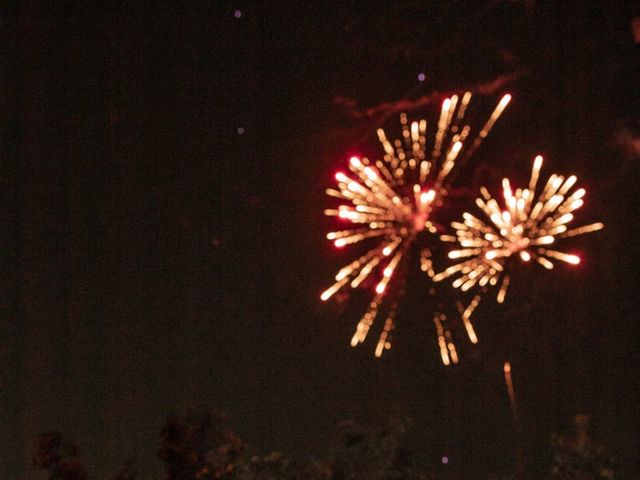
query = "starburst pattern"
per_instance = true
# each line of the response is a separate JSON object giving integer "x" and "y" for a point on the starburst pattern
{"x": 524, "y": 229}
{"x": 390, "y": 203}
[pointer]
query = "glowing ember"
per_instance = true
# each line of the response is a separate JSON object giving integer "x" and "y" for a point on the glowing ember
{"x": 390, "y": 202}
{"x": 522, "y": 229}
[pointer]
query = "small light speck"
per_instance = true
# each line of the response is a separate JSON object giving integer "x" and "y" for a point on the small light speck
{"x": 237, "y": 14}
{"x": 445, "y": 460}
{"x": 421, "y": 77}
{"x": 240, "y": 130}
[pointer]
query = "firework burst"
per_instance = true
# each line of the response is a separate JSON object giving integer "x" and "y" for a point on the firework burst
{"x": 523, "y": 229}
{"x": 389, "y": 204}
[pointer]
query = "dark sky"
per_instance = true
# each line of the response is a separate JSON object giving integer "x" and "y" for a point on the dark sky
{"x": 156, "y": 260}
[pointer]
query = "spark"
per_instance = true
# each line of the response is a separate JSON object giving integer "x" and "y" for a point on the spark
{"x": 522, "y": 228}
{"x": 448, "y": 353}
{"x": 466, "y": 318}
{"x": 389, "y": 204}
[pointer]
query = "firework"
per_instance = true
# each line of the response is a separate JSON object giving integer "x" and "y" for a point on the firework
{"x": 525, "y": 228}
{"x": 389, "y": 204}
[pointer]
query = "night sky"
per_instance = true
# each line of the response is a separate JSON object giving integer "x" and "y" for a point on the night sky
{"x": 163, "y": 243}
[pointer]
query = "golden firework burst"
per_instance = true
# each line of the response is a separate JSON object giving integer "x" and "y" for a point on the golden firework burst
{"x": 524, "y": 227}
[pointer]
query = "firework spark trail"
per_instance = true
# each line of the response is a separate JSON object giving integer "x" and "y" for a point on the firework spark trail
{"x": 448, "y": 352}
{"x": 389, "y": 203}
{"x": 523, "y": 227}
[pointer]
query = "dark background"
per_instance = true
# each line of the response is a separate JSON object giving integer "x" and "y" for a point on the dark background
{"x": 155, "y": 260}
